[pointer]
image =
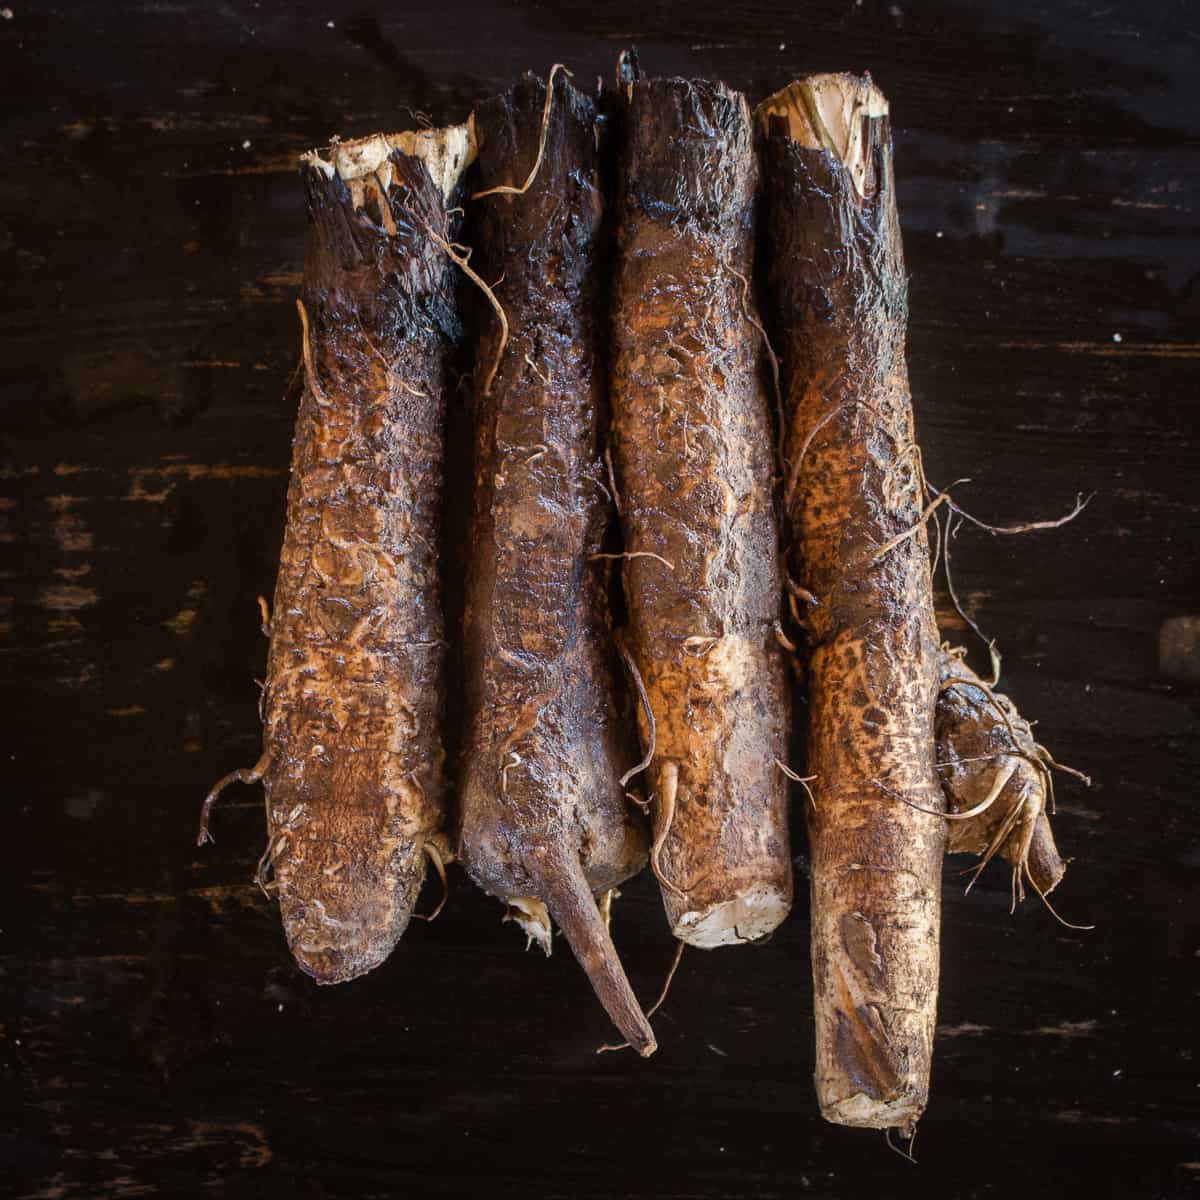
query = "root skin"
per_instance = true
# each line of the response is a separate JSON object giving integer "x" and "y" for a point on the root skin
{"x": 693, "y": 451}
{"x": 569, "y": 898}
{"x": 837, "y": 282}
{"x": 543, "y": 819}
{"x": 352, "y": 763}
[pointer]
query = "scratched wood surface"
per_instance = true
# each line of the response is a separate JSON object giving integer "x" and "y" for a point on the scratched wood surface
{"x": 156, "y": 1038}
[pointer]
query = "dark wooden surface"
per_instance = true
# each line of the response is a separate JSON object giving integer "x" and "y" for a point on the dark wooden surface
{"x": 156, "y": 1038}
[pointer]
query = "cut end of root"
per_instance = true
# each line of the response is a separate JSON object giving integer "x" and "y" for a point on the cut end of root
{"x": 747, "y": 917}
{"x": 446, "y": 154}
{"x": 825, "y": 112}
{"x": 865, "y": 1112}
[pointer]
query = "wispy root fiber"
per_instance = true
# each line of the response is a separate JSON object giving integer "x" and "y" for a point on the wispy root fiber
{"x": 460, "y": 255}
{"x": 507, "y": 189}
{"x": 666, "y": 987}
{"x": 250, "y": 775}
{"x": 643, "y": 697}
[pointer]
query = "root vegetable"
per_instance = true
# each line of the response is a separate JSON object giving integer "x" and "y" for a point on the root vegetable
{"x": 853, "y": 495}
{"x": 544, "y": 823}
{"x": 997, "y": 779}
{"x": 352, "y": 760}
{"x": 693, "y": 450}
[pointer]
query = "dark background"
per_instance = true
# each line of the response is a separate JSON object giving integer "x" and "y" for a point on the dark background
{"x": 157, "y": 1038}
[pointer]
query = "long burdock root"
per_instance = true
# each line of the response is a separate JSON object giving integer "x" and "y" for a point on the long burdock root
{"x": 997, "y": 779}
{"x": 353, "y": 757}
{"x": 693, "y": 449}
{"x": 854, "y": 501}
{"x": 544, "y": 823}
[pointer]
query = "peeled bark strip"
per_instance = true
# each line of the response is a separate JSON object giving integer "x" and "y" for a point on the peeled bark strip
{"x": 693, "y": 448}
{"x": 353, "y": 759}
{"x": 993, "y": 767}
{"x": 544, "y": 820}
{"x": 838, "y": 288}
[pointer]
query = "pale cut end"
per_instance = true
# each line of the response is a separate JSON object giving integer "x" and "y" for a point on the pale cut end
{"x": 825, "y": 112}
{"x": 446, "y": 153}
{"x": 570, "y": 901}
{"x": 864, "y": 1112}
{"x": 747, "y": 917}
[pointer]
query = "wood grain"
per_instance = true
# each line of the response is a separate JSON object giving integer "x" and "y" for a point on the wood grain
{"x": 156, "y": 1038}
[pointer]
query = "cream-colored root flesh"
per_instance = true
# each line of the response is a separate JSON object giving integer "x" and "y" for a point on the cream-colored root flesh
{"x": 747, "y": 917}
{"x": 866, "y": 1112}
{"x": 532, "y": 916}
{"x": 446, "y": 153}
{"x": 825, "y": 112}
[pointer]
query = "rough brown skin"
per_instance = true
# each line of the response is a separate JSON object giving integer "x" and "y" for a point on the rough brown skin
{"x": 352, "y": 762}
{"x": 693, "y": 450}
{"x": 987, "y": 755}
{"x": 544, "y": 823}
{"x": 838, "y": 288}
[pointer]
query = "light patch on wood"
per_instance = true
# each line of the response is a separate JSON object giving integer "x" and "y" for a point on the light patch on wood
{"x": 965, "y": 1029}
{"x": 1067, "y": 1029}
{"x": 143, "y": 478}
{"x": 251, "y": 1141}
{"x": 76, "y": 572}
{"x": 1109, "y": 349}
{"x": 182, "y": 622}
{"x": 65, "y": 598}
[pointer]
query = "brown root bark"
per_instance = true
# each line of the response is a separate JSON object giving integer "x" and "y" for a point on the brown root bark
{"x": 352, "y": 762}
{"x": 544, "y": 823}
{"x": 693, "y": 450}
{"x": 838, "y": 288}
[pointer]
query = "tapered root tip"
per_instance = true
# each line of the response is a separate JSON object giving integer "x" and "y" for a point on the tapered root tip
{"x": 570, "y": 901}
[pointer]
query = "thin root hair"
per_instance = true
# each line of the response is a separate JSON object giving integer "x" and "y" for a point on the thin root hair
{"x": 644, "y": 697}
{"x": 244, "y": 775}
{"x": 508, "y": 189}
